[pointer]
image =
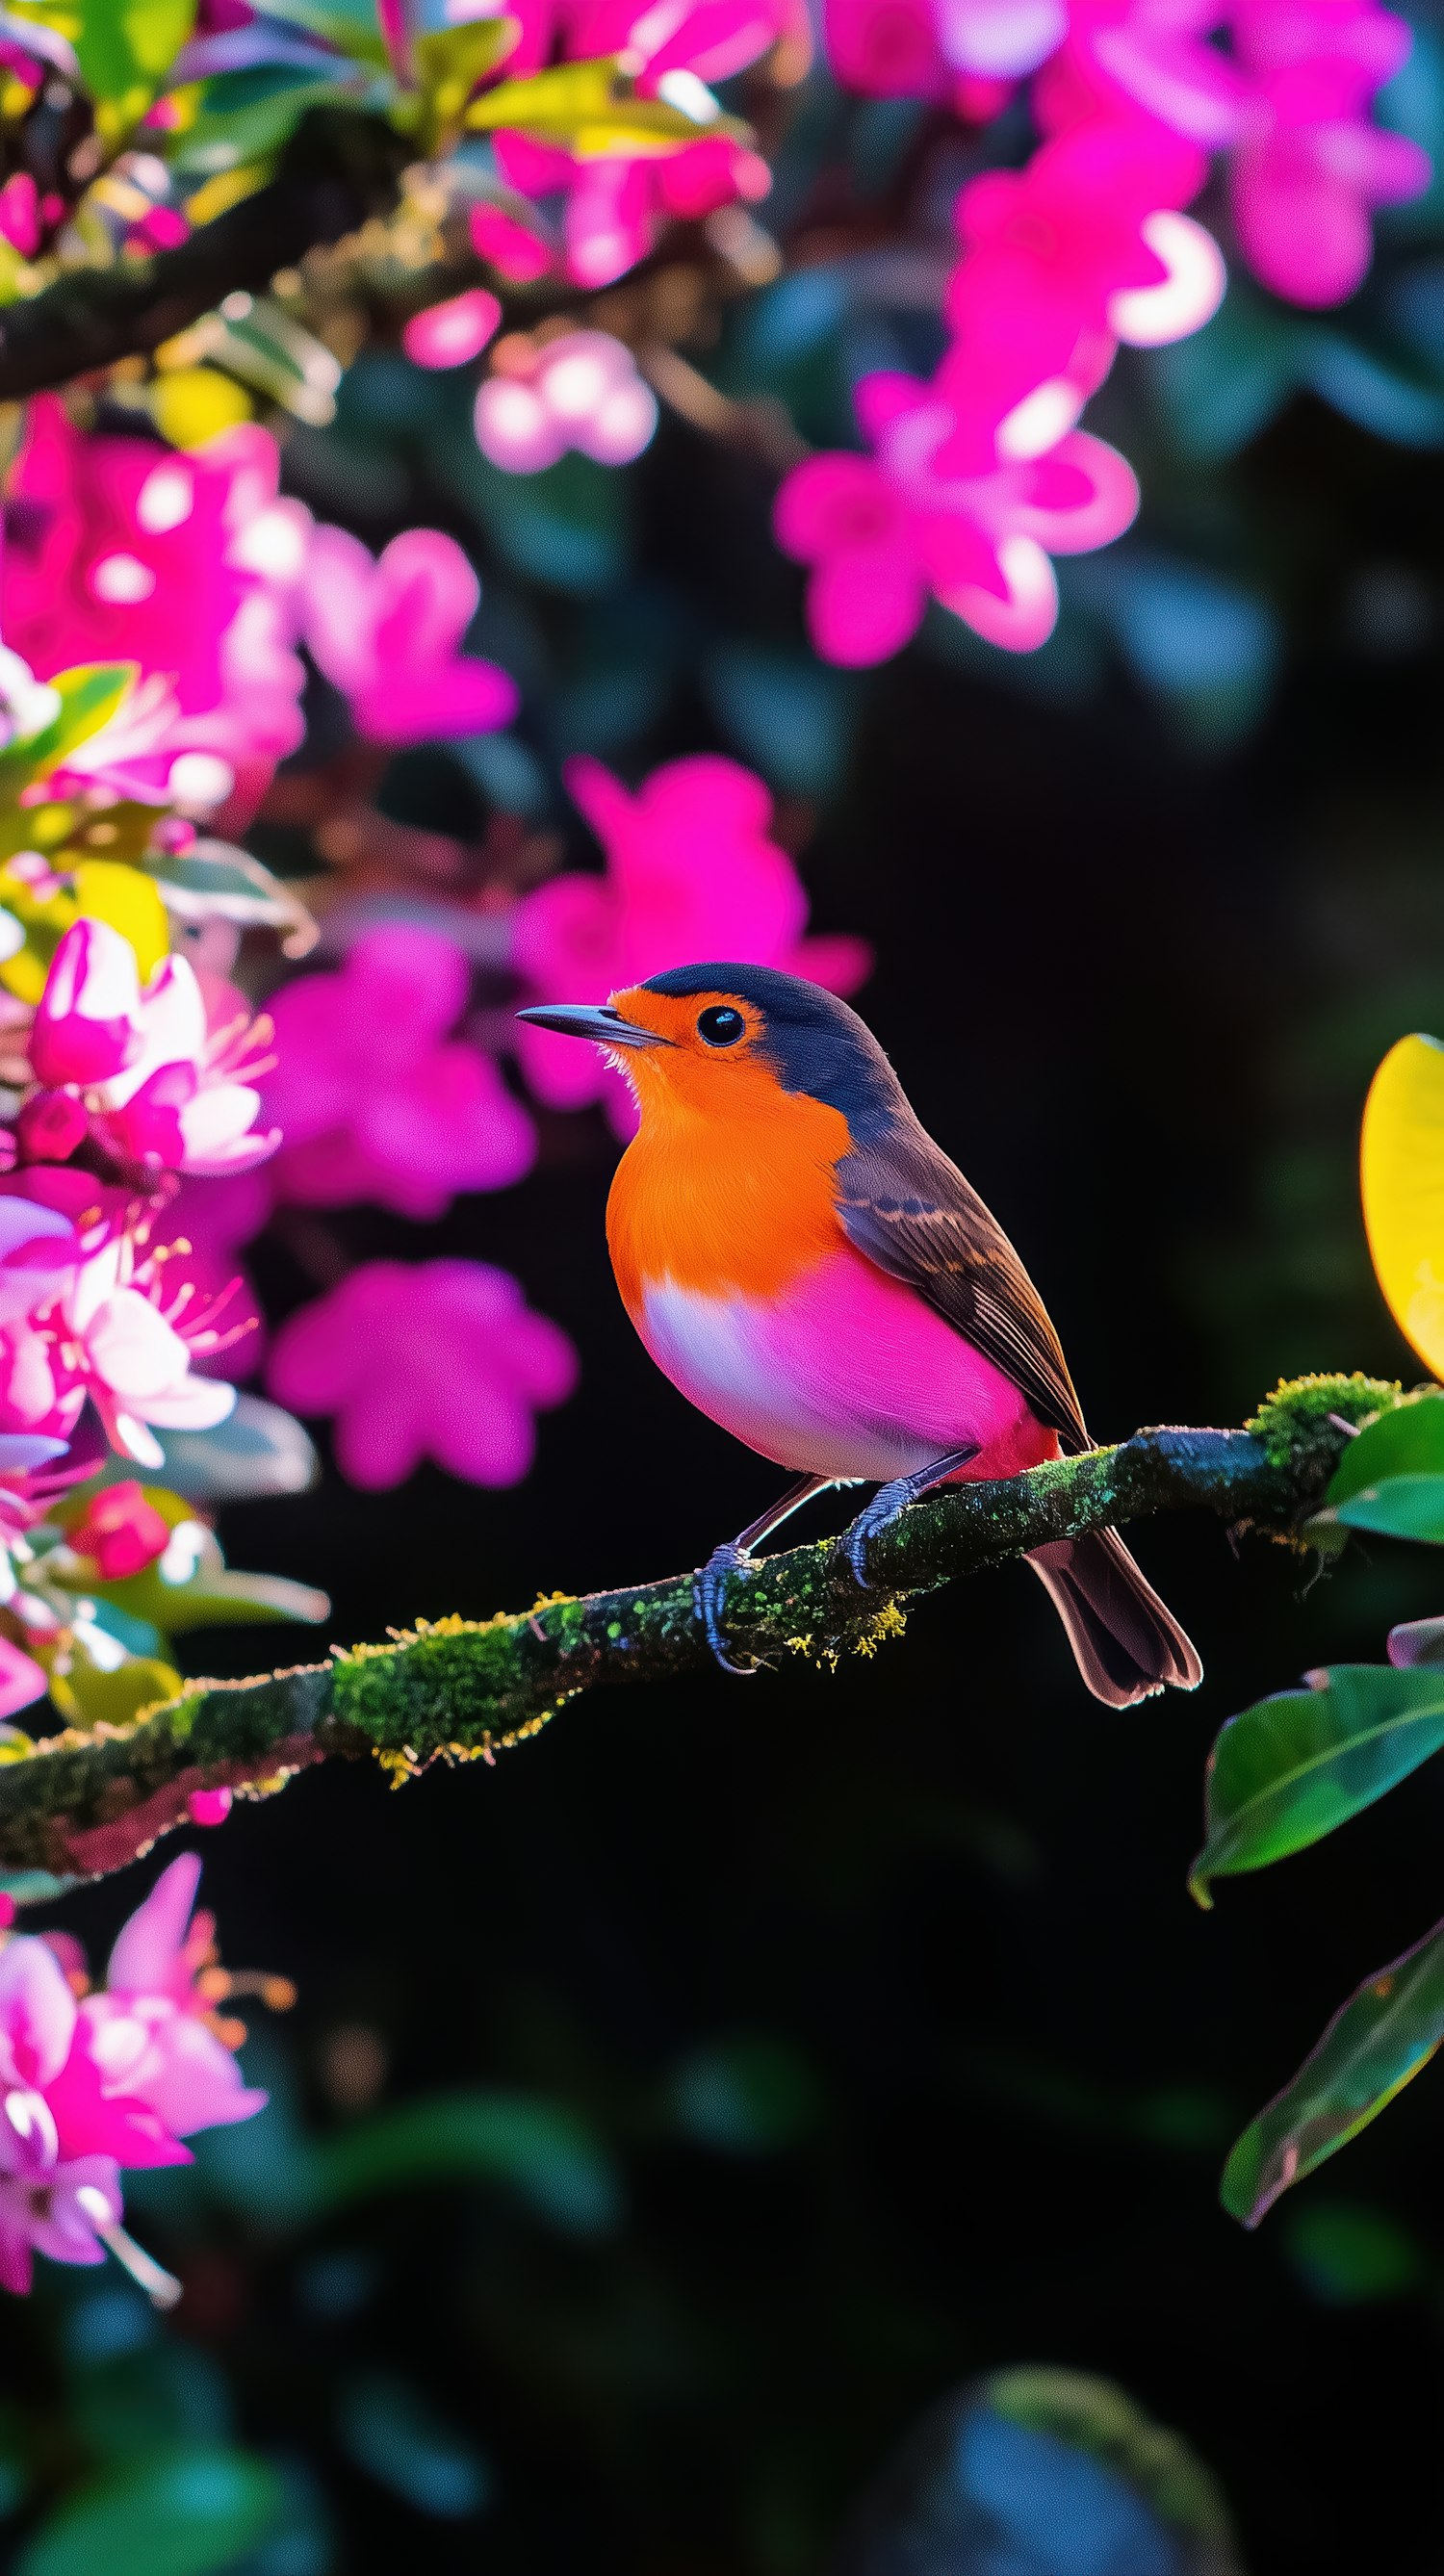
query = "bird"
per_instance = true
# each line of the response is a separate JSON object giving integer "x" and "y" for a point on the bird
{"x": 811, "y": 1270}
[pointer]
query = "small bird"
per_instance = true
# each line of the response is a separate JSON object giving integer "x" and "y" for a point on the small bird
{"x": 808, "y": 1267}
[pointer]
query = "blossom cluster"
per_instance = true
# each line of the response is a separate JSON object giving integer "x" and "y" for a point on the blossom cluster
{"x": 977, "y": 478}
{"x": 97, "y": 2079}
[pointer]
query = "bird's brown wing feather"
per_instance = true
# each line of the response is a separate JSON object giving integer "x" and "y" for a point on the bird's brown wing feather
{"x": 904, "y": 1205}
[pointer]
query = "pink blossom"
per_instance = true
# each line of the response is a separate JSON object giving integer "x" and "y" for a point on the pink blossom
{"x": 386, "y": 632}
{"x": 442, "y": 1361}
{"x": 690, "y": 873}
{"x": 152, "y": 2031}
{"x": 447, "y": 335}
{"x": 123, "y": 1333}
{"x": 580, "y": 390}
{"x": 1084, "y": 247}
{"x": 880, "y": 535}
{"x": 39, "y": 1249}
{"x": 1153, "y": 55}
{"x": 22, "y": 1680}
{"x": 376, "y": 1098}
{"x": 159, "y": 1089}
{"x": 515, "y": 250}
{"x": 925, "y": 48}
{"x": 615, "y": 205}
{"x": 1312, "y": 166}
{"x": 116, "y": 550}
{"x": 64, "y": 2209}
{"x": 615, "y": 202}
{"x": 121, "y": 1533}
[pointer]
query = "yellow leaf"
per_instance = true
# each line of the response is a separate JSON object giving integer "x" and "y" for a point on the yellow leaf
{"x": 1401, "y": 1170}
{"x": 192, "y": 404}
{"x": 591, "y": 108}
{"x": 90, "y": 1695}
{"x": 130, "y": 902}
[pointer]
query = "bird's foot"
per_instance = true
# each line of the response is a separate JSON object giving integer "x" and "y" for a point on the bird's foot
{"x": 889, "y": 1501}
{"x": 709, "y": 1592}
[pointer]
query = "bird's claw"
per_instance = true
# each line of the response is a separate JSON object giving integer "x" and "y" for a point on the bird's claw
{"x": 889, "y": 1502}
{"x": 709, "y": 1593}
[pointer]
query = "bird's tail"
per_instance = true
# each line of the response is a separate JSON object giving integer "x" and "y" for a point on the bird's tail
{"x": 1127, "y": 1643}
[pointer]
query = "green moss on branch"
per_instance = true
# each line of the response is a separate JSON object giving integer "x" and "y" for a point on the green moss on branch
{"x": 461, "y": 1689}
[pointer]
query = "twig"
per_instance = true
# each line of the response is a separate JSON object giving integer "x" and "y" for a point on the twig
{"x": 85, "y": 1804}
{"x": 338, "y": 169}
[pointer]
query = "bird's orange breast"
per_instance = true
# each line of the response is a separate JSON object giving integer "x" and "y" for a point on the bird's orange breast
{"x": 726, "y": 1205}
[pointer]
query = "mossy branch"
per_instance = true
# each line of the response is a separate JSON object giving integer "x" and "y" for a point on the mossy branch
{"x": 83, "y": 1804}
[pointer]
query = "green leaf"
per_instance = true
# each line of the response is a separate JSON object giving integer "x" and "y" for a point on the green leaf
{"x": 1408, "y": 1440}
{"x": 169, "y": 2513}
{"x": 541, "y": 2149}
{"x": 90, "y": 695}
{"x": 259, "y": 1450}
{"x": 1289, "y": 1770}
{"x": 1407, "y": 1507}
{"x": 350, "y": 25}
{"x": 1371, "y": 2049}
{"x": 213, "y": 881}
{"x": 187, "y": 1587}
{"x": 391, "y": 2431}
{"x": 1350, "y": 2256}
{"x": 248, "y": 115}
{"x": 745, "y": 2096}
{"x": 450, "y": 63}
{"x": 592, "y": 109}
{"x": 126, "y": 47}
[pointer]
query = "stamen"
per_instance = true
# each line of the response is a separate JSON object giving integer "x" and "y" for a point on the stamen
{"x": 160, "y": 2287}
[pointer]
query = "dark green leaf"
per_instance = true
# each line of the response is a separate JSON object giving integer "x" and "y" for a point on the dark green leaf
{"x": 1408, "y": 1440}
{"x": 169, "y": 2513}
{"x": 541, "y": 2149}
{"x": 126, "y": 47}
{"x": 390, "y": 2431}
{"x": 746, "y": 2097}
{"x": 1371, "y": 2049}
{"x": 1289, "y": 1770}
{"x": 1407, "y": 1507}
{"x": 1350, "y": 2256}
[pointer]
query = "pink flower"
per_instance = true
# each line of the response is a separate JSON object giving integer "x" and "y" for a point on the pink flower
{"x": 690, "y": 873}
{"x": 615, "y": 202}
{"x": 1083, "y": 248}
{"x": 580, "y": 390}
{"x": 121, "y": 1333}
{"x": 67, "y": 2210}
{"x": 923, "y": 48}
{"x": 385, "y": 632}
{"x": 881, "y": 535}
{"x": 1123, "y": 55}
{"x": 1312, "y": 166}
{"x": 516, "y": 251}
{"x": 121, "y": 1533}
{"x": 39, "y": 1249}
{"x": 117, "y": 550}
{"x": 442, "y": 1361}
{"x": 447, "y": 335}
{"x": 153, "y": 2030}
{"x": 158, "y": 1088}
{"x": 376, "y": 1099}
{"x": 615, "y": 205}
{"x": 22, "y": 1680}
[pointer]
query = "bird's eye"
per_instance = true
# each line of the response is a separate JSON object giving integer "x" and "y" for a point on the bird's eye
{"x": 720, "y": 1026}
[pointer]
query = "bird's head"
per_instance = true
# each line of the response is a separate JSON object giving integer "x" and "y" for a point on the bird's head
{"x": 725, "y": 1040}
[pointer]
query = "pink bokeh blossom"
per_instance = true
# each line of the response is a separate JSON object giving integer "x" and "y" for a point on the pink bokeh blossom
{"x": 1312, "y": 165}
{"x": 881, "y": 534}
{"x": 386, "y": 630}
{"x": 117, "y": 550}
{"x": 932, "y": 48}
{"x": 443, "y": 1360}
{"x": 450, "y": 334}
{"x": 691, "y": 872}
{"x": 579, "y": 390}
{"x": 375, "y": 1096}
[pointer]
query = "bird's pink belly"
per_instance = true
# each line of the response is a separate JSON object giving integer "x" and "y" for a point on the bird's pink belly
{"x": 849, "y": 1373}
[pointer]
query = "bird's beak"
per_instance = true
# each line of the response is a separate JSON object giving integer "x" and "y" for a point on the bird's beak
{"x": 597, "y": 1021}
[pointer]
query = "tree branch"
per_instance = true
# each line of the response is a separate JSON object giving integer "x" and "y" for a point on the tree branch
{"x": 84, "y": 1804}
{"x": 338, "y": 169}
